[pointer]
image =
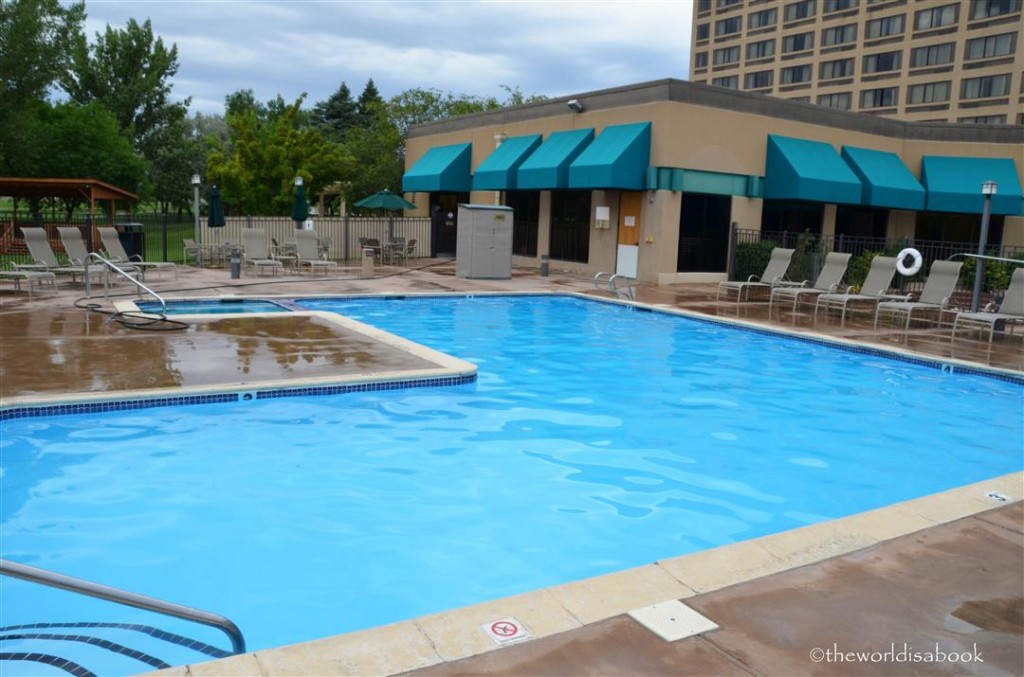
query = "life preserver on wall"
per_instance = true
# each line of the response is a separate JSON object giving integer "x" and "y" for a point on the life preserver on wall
{"x": 915, "y": 264}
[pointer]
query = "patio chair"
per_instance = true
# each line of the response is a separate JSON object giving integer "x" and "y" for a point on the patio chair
{"x": 1009, "y": 312}
{"x": 410, "y": 248}
{"x": 116, "y": 253}
{"x": 935, "y": 297}
{"x": 875, "y": 288}
{"x": 255, "y": 252}
{"x": 44, "y": 260}
{"x": 774, "y": 274}
{"x": 308, "y": 254}
{"x": 285, "y": 253}
{"x": 78, "y": 253}
{"x": 827, "y": 282}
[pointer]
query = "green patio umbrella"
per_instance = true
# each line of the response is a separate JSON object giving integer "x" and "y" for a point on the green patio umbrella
{"x": 300, "y": 209}
{"x": 385, "y": 199}
{"x": 214, "y": 209}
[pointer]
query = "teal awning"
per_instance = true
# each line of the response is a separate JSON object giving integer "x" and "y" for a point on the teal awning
{"x": 954, "y": 184}
{"x": 618, "y": 158}
{"x": 547, "y": 168}
{"x": 799, "y": 169}
{"x": 887, "y": 181}
{"x": 500, "y": 170}
{"x": 441, "y": 169}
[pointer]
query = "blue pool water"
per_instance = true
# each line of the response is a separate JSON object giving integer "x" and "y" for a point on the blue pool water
{"x": 596, "y": 438}
{"x": 213, "y": 306}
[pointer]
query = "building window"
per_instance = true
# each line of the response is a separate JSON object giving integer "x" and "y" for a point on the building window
{"x": 703, "y": 5}
{"x": 936, "y": 17}
{"x": 839, "y": 35}
{"x": 840, "y": 68}
{"x": 882, "y": 63}
{"x": 991, "y": 46}
{"x": 985, "y": 9}
{"x": 761, "y": 49}
{"x": 795, "y": 74}
{"x": 762, "y": 19}
{"x": 758, "y": 80}
{"x": 700, "y": 60}
{"x": 985, "y": 120}
{"x": 884, "y": 27}
{"x": 933, "y": 55}
{"x": 729, "y": 82}
{"x": 727, "y": 55}
{"x": 722, "y": 4}
{"x": 800, "y": 42}
{"x": 728, "y": 26}
{"x": 986, "y": 86}
{"x": 931, "y": 92}
{"x": 570, "y": 225}
{"x": 839, "y": 101}
{"x": 885, "y": 97}
{"x": 839, "y": 5}
{"x": 703, "y": 31}
{"x": 799, "y": 10}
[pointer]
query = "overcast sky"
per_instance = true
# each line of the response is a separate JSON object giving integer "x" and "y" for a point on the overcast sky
{"x": 550, "y": 47}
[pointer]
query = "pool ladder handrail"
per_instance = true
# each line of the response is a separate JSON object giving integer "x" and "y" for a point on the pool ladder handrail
{"x": 125, "y": 597}
{"x": 111, "y": 266}
{"x": 612, "y": 285}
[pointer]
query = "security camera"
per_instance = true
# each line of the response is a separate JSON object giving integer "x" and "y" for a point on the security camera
{"x": 575, "y": 105}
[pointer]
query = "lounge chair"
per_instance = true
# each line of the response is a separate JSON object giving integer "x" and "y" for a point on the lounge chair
{"x": 875, "y": 288}
{"x": 827, "y": 282}
{"x": 308, "y": 254}
{"x": 78, "y": 253}
{"x": 935, "y": 297}
{"x": 44, "y": 260}
{"x": 34, "y": 278}
{"x": 774, "y": 274}
{"x": 1009, "y": 312}
{"x": 254, "y": 241}
{"x": 116, "y": 253}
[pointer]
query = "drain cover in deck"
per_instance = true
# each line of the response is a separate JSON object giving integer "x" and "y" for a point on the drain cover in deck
{"x": 672, "y": 620}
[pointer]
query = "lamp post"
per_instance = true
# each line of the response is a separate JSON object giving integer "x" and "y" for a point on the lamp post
{"x": 195, "y": 210}
{"x": 988, "y": 189}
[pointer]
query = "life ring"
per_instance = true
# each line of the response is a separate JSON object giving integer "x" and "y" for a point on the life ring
{"x": 913, "y": 267}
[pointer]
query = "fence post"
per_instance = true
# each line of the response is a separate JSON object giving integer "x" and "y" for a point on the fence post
{"x": 734, "y": 233}
{"x": 344, "y": 234}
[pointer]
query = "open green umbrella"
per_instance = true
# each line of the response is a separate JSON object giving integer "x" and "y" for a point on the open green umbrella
{"x": 300, "y": 209}
{"x": 214, "y": 209}
{"x": 385, "y": 199}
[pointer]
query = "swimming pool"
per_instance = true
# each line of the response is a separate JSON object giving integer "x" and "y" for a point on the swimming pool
{"x": 596, "y": 438}
{"x": 213, "y": 306}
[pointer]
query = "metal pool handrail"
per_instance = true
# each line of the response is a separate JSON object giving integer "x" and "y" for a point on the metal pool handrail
{"x": 110, "y": 594}
{"x": 110, "y": 265}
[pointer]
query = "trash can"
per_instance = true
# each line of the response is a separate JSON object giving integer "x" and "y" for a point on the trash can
{"x": 132, "y": 239}
{"x": 367, "y": 262}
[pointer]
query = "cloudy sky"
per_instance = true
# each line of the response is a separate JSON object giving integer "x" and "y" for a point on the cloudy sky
{"x": 287, "y": 47}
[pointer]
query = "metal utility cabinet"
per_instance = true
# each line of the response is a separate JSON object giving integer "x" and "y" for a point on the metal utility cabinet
{"x": 484, "y": 244}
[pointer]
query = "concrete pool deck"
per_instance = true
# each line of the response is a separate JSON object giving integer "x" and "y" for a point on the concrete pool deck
{"x": 945, "y": 570}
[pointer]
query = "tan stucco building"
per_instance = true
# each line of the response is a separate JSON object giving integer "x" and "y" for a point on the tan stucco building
{"x": 658, "y": 180}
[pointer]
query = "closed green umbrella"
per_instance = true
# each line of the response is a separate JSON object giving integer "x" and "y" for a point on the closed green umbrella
{"x": 300, "y": 210}
{"x": 215, "y": 209}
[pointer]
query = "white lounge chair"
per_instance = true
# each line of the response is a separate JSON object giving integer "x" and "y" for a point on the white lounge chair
{"x": 256, "y": 252}
{"x": 1009, "y": 313}
{"x": 308, "y": 254}
{"x": 116, "y": 253}
{"x": 44, "y": 260}
{"x": 78, "y": 254}
{"x": 828, "y": 281}
{"x": 774, "y": 275}
{"x": 874, "y": 290}
{"x": 935, "y": 297}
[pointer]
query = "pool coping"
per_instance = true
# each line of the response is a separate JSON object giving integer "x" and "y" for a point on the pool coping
{"x": 459, "y": 633}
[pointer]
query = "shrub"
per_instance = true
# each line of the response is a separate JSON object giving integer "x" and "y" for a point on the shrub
{"x": 752, "y": 257}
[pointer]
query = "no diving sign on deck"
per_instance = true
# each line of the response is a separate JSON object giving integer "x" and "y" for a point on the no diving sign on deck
{"x": 506, "y": 630}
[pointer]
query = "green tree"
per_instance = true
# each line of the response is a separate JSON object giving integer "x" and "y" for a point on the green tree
{"x": 35, "y": 36}
{"x": 337, "y": 114}
{"x": 378, "y": 151}
{"x": 368, "y": 100}
{"x": 129, "y": 72}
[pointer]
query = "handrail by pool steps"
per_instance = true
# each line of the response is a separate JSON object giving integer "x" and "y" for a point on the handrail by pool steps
{"x": 133, "y": 599}
{"x": 111, "y": 266}
{"x": 612, "y": 285}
